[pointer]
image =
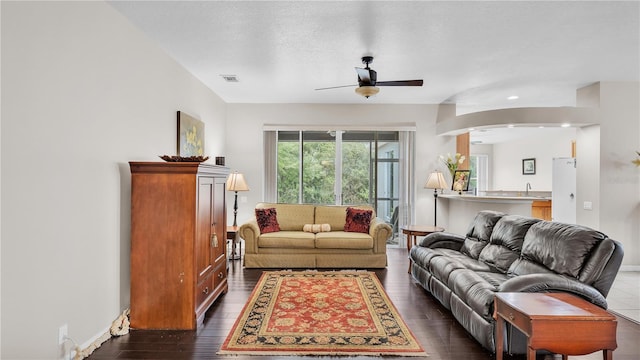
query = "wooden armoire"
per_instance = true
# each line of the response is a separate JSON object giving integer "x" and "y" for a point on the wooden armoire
{"x": 178, "y": 242}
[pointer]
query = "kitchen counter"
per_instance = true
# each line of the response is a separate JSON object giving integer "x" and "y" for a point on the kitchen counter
{"x": 459, "y": 210}
{"x": 495, "y": 198}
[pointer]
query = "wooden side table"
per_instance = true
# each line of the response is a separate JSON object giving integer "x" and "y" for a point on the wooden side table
{"x": 558, "y": 322}
{"x": 232, "y": 232}
{"x": 413, "y": 231}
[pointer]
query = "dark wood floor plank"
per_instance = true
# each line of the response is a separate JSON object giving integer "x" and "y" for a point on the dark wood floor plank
{"x": 433, "y": 325}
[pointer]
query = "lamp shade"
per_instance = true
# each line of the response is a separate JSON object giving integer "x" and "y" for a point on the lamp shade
{"x": 436, "y": 181}
{"x": 236, "y": 182}
{"x": 367, "y": 90}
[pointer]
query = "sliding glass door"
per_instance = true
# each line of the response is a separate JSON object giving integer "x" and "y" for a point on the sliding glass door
{"x": 388, "y": 181}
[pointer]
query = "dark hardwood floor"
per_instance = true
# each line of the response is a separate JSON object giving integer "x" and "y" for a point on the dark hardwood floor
{"x": 433, "y": 325}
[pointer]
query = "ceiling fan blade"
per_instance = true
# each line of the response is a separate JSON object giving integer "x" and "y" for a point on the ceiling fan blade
{"x": 400, "y": 83}
{"x": 364, "y": 75}
{"x": 335, "y": 87}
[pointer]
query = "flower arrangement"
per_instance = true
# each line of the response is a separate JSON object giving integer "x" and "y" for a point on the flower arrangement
{"x": 637, "y": 161}
{"x": 452, "y": 163}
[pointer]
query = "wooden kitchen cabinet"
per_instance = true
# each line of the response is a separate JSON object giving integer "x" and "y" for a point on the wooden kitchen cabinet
{"x": 178, "y": 242}
{"x": 541, "y": 209}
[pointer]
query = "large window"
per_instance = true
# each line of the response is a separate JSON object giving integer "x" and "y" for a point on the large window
{"x": 306, "y": 167}
{"x": 337, "y": 167}
{"x": 340, "y": 167}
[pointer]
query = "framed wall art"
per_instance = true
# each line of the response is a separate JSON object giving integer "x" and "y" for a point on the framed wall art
{"x": 460, "y": 181}
{"x": 529, "y": 166}
{"x": 190, "y": 135}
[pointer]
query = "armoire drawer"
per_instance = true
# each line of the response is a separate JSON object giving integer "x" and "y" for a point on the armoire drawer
{"x": 219, "y": 275}
{"x": 205, "y": 289}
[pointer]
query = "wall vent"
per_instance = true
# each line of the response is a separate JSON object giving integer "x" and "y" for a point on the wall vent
{"x": 230, "y": 78}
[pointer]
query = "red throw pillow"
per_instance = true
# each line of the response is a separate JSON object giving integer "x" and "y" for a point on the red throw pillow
{"x": 358, "y": 220}
{"x": 267, "y": 220}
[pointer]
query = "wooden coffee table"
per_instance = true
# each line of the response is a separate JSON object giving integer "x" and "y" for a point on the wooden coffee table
{"x": 413, "y": 231}
{"x": 558, "y": 322}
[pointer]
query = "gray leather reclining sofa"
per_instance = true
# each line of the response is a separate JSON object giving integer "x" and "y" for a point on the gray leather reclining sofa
{"x": 511, "y": 253}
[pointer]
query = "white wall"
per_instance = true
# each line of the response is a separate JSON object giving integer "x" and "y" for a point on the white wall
{"x": 588, "y": 176}
{"x": 245, "y": 146}
{"x": 507, "y": 160}
{"x": 83, "y": 93}
{"x": 606, "y": 176}
{"x": 619, "y": 178}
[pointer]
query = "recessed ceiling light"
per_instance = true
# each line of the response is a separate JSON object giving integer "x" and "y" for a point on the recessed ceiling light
{"x": 540, "y": 127}
{"x": 565, "y": 125}
{"x": 513, "y": 97}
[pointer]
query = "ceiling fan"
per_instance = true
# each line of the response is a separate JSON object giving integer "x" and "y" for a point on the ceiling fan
{"x": 368, "y": 79}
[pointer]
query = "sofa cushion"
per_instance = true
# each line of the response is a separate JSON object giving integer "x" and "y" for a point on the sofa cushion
{"x": 287, "y": 239}
{"x": 343, "y": 240}
{"x": 479, "y": 232}
{"x": 267, "y": 220}
{"x": 423, "y": 256}
{"x": 506, "y": 241}
{"x": 358, "y": 220}
{"x": 522, "y": 266}
{"x": 593, "y": 268}
{"x": 291, "y": 217}
{"x": 442, "y": 266}
{"x": 472, "y": 247}
{"x": 482, "y": 225}
{"x": 476, "y": 289}
{"x": 335, "y": 215}
{"x": 562, "y": 248}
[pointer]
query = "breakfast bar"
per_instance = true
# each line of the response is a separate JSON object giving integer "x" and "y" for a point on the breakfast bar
{"x": 460, "y": 209}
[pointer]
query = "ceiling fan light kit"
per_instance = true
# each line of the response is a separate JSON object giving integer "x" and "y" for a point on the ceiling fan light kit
{"x": 367, "y": 91}
{"x": 368, "y": 79}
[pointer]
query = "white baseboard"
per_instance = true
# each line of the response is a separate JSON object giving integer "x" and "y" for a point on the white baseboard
{"x": 630, "y": 268}
{"x": 92, "y": 340}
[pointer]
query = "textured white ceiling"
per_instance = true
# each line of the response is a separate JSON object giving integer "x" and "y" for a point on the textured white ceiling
{"x": 474, "y": 54}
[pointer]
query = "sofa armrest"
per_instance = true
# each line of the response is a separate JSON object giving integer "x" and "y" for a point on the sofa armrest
{"x": 553, "y": 283}
{"x": 380, "y": 231}
{"x": 442, "y": 240}
{"x": 250, "y": 232}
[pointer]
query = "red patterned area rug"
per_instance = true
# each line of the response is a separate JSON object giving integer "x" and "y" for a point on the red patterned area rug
{"x": 320, "y": 313}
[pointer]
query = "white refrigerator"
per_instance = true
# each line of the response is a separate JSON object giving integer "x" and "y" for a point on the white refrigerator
{"x": 563, "y": 192}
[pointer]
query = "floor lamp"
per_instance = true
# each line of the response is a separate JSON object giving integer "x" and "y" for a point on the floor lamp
{"x": 435, "y": 181}
{"x": 236, "y": 183}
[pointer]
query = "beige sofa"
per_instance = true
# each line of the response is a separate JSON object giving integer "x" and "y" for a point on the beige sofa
{"x": 291, "y": 247}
